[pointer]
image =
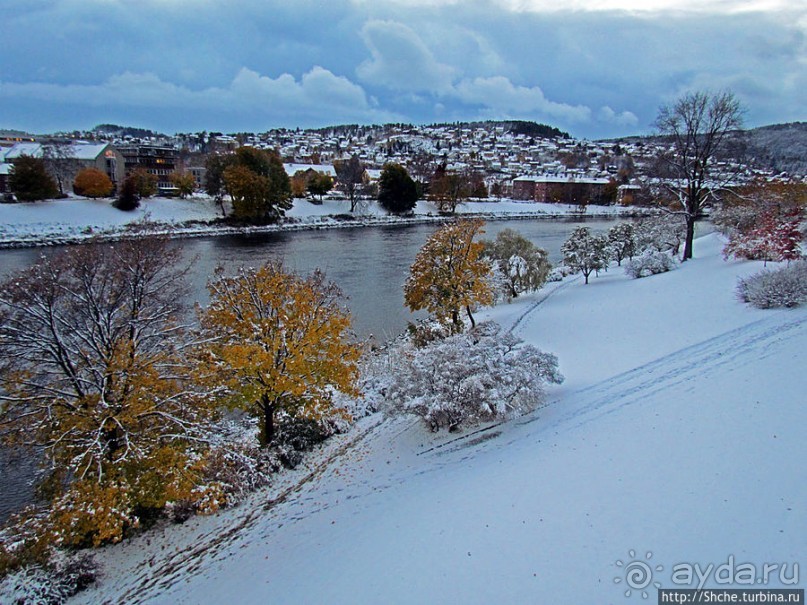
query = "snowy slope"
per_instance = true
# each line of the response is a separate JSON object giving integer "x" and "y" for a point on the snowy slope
{"x": 679, "y": 432}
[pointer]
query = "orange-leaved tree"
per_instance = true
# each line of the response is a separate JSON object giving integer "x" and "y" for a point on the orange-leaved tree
{"x": 278, "y": 342}
{"x": 449, "y": 274}
{"x": 92, "y": 182}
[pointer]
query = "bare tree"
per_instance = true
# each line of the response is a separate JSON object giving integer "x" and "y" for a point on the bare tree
{"x": 351, "y": 176}
{"x": 60, "y": 162}
{"x": 697, "y": 125}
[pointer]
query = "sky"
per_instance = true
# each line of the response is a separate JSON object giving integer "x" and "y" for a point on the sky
{"x": 594, "y": 68}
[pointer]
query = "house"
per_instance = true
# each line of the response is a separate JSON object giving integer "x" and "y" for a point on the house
{"x": 68, "y": 159}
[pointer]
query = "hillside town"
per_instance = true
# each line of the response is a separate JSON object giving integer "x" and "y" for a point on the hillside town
{"x": 517, "y": 160}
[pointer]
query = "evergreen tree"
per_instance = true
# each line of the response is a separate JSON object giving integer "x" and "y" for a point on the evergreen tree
{"x": 29, "y": 181}
{"x": 397, "y": 192}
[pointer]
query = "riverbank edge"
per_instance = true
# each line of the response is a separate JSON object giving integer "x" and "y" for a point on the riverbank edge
{"x": 199, "y": 229}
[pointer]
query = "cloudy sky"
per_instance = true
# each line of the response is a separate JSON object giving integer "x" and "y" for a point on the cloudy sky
{"x": 595, "y": 68}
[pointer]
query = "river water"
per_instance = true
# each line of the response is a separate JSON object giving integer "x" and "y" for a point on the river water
{"x": 370, "y": 264}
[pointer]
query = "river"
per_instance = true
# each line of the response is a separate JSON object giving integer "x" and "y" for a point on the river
{"x": 370, "y": 264}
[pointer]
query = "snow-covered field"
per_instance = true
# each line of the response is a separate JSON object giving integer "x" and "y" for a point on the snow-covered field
{"x": 677, "y": 438}
{"x": 76, "y": 219}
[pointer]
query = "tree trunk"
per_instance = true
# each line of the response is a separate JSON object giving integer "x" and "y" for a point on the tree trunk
{"x": 267, "y": 425}
{"x": 471, "y": 317}
{"x": 689, "y": 237}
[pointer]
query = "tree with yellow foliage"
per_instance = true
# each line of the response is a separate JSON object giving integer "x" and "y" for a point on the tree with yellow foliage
{"x": 278, "y": 342}
{"x": 449, "y": 274}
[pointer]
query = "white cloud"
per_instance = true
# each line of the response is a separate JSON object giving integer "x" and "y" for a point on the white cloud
{"x": 649, "y": 6}
{"x": 400, "y": 60}
{"x": 624, "y": 118}
{"x": 499, "y": 94}
{"x": 317, "y": 94}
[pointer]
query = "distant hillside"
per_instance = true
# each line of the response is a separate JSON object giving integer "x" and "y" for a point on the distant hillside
{"x": 780, "y": 147}
{"x": 124, "y": 131}
{"x": 531, "y": 129}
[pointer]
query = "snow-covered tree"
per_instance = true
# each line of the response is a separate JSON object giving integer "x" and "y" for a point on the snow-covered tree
{"x": 524, "y": 265}
{"x": 485, "y": 374}
{"x": 662, "y": 233}
{"x": 697, "y": 126}
{"x": 449, "y": 274}
{"x": 621, "y": 242}
{"x": 585, "y": 253}
{"x": 93, "y": 373}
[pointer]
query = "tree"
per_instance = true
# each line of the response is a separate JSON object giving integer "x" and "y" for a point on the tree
{"x": 184, "y": 182}
{"x": 127, "y": 199}
{"x": 214, "y": 176}
{"x": 351, "y": 176}
{"x": 773, "y": 238}
{"x": 94, "y": 374}
{"x": 449, "y": 274}
{"x": 448, "y": 189}
{"x": 524, "y": 265}
{"x": 585, "y": 252}
{"x": 697, "y": 125}
{"x": 397, "y": 192}
{"x": 145, "y": 183}
{"x": 280, "y": 343}
{"x": 659, "y": 233}
{"x": 741, "y": 210}
{"x": 319, "y": 184}
{"x": 258, "y": 185}
{"x": 92, "y": 182}
{"x": 29, "y": 181}
{"x": 60, "y": 162}
{"x": 621, "y": 242}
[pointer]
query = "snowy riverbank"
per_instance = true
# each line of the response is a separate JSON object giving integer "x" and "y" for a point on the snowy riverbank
{"x": 677, "y": 438}
{"x": 77, "y": 219}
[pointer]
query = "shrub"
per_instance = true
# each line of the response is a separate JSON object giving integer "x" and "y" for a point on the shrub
{"x": 650, "y": 263}
{"x": 62, "y": 577}
{"x": 469, "y": 378}
{"x": 784, "y": 287}
{"x": 91, "y": 182}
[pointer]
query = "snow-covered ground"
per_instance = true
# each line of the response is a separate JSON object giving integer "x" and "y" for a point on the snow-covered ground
{"x": 677, "y": 438}
{"x": 76, "y": 219}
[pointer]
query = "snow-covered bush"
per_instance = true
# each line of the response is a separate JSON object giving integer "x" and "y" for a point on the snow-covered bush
{"x": 470, "y": 378}
{"x": 784, "y": 287}
{"x": 650, "y": 263}
{"x": 559, "y": 272}
{"x": 49, "y": 584}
